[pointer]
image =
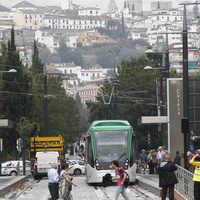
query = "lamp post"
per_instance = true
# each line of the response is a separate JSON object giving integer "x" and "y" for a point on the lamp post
{"x": 185, "y": 119}
{"x": 1, "y": 141}
{"x": 115, "y": 86}
{"x": 46, "y": 121}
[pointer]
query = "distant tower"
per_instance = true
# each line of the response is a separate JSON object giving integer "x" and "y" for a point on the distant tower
{"x": 158, "y": 5}
{"x": 66, "y": 4}
{"x": 134, "y": 6}
{"x": 112, "y": 7}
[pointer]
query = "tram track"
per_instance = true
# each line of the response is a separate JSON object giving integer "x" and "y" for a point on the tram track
{"x": 140, "y": 193}
{"x": 133, "y": 191}
{"x": 21, "y": 189}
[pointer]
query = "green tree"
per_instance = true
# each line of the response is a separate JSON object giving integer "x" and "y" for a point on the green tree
{"x": 16, "y": 87}
{"x": 140, "y": 42}
{"x": 37, "y": 65}
{"x": 67, "y": 55}
{"x": 63, "y": 115}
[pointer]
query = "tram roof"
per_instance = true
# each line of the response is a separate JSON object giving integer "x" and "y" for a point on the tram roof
{"x": 110, "y": 123}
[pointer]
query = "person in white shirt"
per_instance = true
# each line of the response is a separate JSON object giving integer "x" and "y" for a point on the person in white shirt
{"x": 160, "y": 155}
{"x": 53, "y": 179}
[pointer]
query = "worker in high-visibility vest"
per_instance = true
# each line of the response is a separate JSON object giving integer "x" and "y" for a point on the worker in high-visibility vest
{"x": 196, "y": 177}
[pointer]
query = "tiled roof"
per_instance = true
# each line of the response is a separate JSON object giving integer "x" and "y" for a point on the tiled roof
{"x": 90, "y": 8}
{"x": 24, "y": 4}
{"x": 38, "y": 10}
{"x": 4, "y": 9}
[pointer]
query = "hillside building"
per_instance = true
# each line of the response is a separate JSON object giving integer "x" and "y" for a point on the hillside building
{"x": 112, "y": 7}
{"x": 157, "y": 5}
{"x": 133, "y": 6}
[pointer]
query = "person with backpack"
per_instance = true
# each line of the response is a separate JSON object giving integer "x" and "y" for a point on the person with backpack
{"x": 120, "y": 176}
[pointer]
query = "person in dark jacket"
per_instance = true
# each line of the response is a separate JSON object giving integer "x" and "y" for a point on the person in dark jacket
{"x": 167, "y": 178}
{"x": 177, "y": 159}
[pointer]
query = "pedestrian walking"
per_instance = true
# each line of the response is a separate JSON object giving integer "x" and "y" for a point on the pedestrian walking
{"x": 167, "y": 177}
{"x": 160, "y": 155}
{"x": 150, "y": 162}
{"x": 143, "y": 161}
{"x": 53, "y": 182}
{"x": 120, "y": 180}
{"x": 154, "y": 160}
{"x": 177, "y": 159}
{"x": 65, "y": 183}
{"x": 195, "y": 161}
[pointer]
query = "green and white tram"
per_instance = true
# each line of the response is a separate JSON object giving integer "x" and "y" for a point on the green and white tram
{"x": 109, "y": 140}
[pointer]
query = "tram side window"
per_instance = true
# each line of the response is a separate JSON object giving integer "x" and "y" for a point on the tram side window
{"x": 132, "y": 159}
{"x": 90, "y": 153}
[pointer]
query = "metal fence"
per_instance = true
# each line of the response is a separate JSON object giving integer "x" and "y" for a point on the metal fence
{"x": 185, "y": 184}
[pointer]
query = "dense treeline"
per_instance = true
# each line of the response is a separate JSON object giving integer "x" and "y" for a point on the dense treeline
{"x": 22, "y": 101}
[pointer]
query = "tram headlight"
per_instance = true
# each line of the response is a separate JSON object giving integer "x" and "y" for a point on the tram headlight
{"x": 126, "y": 164}
{"x": 97, "y": 164}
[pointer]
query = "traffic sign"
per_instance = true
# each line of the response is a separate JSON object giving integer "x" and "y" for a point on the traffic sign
{"x": 1, "y": 144}
{"x": 19, "y": 145}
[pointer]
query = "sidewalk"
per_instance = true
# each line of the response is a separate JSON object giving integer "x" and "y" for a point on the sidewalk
{"x": 7, "y": 183}
{"x": 151, "y": 183}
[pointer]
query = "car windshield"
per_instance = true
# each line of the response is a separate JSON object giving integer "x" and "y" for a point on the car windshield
{"x": 111, "y": 145}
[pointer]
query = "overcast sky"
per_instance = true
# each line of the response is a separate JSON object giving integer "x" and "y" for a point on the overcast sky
{"x": 103, "y": 4}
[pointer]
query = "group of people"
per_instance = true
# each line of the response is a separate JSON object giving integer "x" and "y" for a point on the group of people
{"x": 60, "y": 185}
{"x": 154, "y": 158}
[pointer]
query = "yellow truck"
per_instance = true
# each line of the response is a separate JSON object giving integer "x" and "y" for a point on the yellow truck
{"x": 43, "y": 144}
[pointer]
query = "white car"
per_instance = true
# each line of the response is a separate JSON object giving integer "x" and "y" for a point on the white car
{"x": 9, "y": 168}
{"x": 76, "y": 167}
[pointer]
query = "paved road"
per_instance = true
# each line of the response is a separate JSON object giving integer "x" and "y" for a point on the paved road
{"x": 37, "y": 190}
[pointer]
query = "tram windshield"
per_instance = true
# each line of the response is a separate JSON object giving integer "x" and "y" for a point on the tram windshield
{"x": 111, "y": 145}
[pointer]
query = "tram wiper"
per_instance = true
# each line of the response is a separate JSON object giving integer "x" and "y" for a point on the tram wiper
{"x": 120, "y": 157}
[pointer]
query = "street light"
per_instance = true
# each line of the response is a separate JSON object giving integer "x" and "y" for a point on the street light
{"x": 9, "y": 71}
{"x": 185, "y": 119}
{"x": 152, "y": 68}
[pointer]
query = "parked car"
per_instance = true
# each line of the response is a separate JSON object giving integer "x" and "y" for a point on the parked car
{"x": 76, "y": 167}
{"x": 9, "y": 168}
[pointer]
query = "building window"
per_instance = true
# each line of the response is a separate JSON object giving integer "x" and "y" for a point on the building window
{"x": 97, "y": 12}
{"x": 70, "y": 71}
{"x": 26, "y": 21}
{"x": 157, "y": 17}
{"x": 35, "y": 16}
{"x": 40, "y": 16}
{"x": 91, "y": 12}
{"x": 30, "y": 17}
{"x": 26, "y": 17}
{"x": 83, "y": 74}
{"x": 86, "y": 74}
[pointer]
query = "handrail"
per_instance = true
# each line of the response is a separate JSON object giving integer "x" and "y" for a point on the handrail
{"x": 185, "y": 184}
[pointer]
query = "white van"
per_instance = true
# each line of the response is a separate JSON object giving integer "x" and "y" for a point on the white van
{"x": 43, "y": 161}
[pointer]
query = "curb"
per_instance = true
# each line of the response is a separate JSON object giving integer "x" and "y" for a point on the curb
{"x": 9, "y": 186}
{"x": 153, "y": 189}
